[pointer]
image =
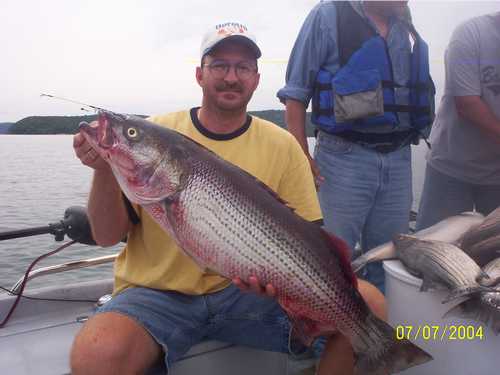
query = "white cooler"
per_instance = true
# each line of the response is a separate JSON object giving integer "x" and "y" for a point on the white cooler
{"x": 465, "y": 355}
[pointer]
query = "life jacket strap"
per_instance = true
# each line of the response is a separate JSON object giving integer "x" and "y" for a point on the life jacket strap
{"x": 385, "y": 84}
{"x": 380, "y": 142}
{"x": 387, "y": 108}
{"x": 406, "y": 108}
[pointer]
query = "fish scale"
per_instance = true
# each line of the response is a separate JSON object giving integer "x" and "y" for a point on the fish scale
{"x": 262, "y": 253}
{"x": 252, "y": 240}
{"x": 230, "y": 223}
{"x": 457, "y": 269}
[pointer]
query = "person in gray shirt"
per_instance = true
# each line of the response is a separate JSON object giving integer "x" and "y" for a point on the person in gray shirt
{"x": 463, "y": 165}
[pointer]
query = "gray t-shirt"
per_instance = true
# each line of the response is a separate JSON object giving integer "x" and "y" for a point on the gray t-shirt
{"x": 459, "y": 148}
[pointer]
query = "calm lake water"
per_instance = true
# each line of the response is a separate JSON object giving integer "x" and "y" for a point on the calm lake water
{"x": 39, "y": 178}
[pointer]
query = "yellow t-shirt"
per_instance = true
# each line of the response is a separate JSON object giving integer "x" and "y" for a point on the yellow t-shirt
{"x": 152, "y": 259}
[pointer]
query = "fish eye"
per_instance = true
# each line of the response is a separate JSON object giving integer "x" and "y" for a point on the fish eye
{"x": 132, "y": 132}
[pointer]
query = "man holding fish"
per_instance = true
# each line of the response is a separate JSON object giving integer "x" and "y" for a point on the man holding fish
{"x": 163, "y": 301}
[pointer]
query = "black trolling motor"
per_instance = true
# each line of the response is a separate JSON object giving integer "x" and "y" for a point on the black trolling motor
{"x": 75, "y": 225}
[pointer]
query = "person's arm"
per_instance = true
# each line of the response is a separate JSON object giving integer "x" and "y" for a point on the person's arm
{"x": 314, "y": 47}
{"x": 475, "y": 111}
{"x": 464, "y": 80}
{"x": 295, "y": 118}
{"x": 106, "y": 210}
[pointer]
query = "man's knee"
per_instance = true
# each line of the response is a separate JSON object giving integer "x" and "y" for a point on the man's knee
{"x": 107, "y": 342}
{"x": 373, "y": 298}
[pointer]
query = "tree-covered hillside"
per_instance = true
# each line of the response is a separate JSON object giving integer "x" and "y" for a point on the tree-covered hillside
{"x": 69, "y": 124}
{"x": 4, "y": 127}
{"x": 49, "y": 124}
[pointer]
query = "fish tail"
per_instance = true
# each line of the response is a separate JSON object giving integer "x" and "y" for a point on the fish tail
{"x": 488, "y": 281}
{"x": 475, "y": 309}
{"x": 390, "y": 354}
{"x": 469, "y": 309}
{"x": 467, "y": 291}
{"x": 358, "y": 263}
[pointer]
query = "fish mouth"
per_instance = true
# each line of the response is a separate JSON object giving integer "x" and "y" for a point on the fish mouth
{"x": 99, "y": 133}
{"x": 89, "y": 131}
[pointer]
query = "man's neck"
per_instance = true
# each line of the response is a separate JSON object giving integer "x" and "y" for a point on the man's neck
{"x": 380, "y": 20}
{"x": 221, "y": 122}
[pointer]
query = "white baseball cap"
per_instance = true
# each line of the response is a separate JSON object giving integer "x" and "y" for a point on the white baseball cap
{"x": 228, "y": 31}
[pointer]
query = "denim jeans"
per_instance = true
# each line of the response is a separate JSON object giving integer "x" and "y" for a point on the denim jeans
{"x": 444, "y": 196}
{"x": 366, "y": 195}
{"x": 178, "y": 321}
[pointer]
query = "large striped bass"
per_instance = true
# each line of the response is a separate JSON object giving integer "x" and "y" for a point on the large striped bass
{"x": 229, "y": 222}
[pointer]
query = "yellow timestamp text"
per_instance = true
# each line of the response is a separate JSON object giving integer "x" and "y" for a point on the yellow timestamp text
{"x": 439, "y": 332}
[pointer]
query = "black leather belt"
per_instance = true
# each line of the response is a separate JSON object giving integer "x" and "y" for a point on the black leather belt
{"x": 380, "y": 142}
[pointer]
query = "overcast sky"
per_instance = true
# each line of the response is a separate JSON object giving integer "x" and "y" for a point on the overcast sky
{"x": 140, "y": 56}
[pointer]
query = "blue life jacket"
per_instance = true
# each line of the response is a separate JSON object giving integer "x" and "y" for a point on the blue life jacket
{"x": 366, "y": 69}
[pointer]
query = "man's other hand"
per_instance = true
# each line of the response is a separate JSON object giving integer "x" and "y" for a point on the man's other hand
{"x": 253, "y": 285}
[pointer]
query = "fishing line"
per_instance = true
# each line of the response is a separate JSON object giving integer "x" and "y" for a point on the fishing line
{"x": 25, "y": 279}
{"x": 75, "y": 102}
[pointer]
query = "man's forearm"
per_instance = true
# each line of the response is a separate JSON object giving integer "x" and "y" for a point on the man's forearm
{"x": 476, "y": 111}
{"x": 295, "y": 118}
{"x": 106, "y": 210}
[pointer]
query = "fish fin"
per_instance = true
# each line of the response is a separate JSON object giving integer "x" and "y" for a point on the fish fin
{"x": 429, "y": 285}
{"x": 305, "y": 330}
{"x": 358, "y": 263}
{"x": 402, "y": 241}
{"x": 466, "y": 291}
{"x": 469, "y": 309}
{"x": 475, "y": 309}
{"x": 485, "y": 280}
{"x": 393, "y": 356}
{"x": 342, "y": 250}
{"x": 413, "y": 272}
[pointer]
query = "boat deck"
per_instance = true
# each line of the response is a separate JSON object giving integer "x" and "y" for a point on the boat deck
{"x": 37, "y": 339}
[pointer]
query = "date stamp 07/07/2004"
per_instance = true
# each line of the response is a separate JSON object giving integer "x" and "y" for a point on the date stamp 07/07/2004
{"x": 432, "y": 332}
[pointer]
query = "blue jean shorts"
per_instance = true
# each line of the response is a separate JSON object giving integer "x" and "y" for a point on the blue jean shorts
{"x": 178, "y": 321}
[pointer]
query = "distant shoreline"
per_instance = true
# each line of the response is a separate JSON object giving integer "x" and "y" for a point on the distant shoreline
{"x": 52, "y": 125}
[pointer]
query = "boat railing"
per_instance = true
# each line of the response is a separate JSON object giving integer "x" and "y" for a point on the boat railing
{"x": 76, "y": 226}
{"x": 63, "y": 267}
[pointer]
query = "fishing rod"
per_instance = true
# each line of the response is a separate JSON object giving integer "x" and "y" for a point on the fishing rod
{"x": 74, "y": 101}
{"x": 75, "y": 225}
